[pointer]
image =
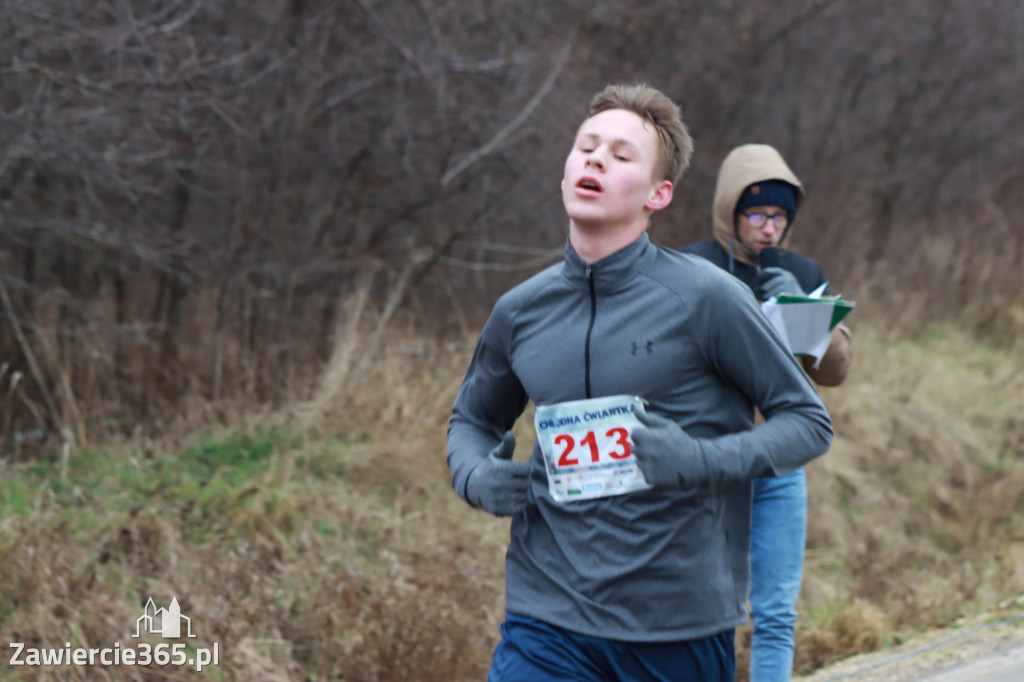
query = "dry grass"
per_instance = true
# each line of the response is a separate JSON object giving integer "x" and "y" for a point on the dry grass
{"x": 338, "y": 551}
{"x": 916, "y": 509}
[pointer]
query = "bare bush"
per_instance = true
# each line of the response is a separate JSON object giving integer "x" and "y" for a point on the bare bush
{"x": 190, "y": 191}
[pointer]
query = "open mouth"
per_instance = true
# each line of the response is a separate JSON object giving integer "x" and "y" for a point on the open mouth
{"x": 589, "y": 184}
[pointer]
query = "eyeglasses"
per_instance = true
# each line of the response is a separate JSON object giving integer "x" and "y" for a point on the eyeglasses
{"x": 759, "y": 220}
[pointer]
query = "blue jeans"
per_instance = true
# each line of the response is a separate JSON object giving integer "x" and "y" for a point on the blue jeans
{"x": 777, "y": 537}
{"x": 533, "y": 651}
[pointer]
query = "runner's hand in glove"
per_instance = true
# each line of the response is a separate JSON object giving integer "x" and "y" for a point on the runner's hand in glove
{"x": 499, "y": 485}
{"x": 772, "y": 281}
{"x": 667, "y": 455}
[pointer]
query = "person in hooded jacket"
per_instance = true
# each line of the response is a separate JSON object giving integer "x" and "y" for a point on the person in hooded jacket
{"x": 755, "y": 204}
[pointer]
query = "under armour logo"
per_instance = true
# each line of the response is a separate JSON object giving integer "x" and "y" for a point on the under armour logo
{"x": 634, "y": 347}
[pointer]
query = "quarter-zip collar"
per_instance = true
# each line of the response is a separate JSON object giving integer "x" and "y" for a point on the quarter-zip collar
{"x": 611, "y": 273}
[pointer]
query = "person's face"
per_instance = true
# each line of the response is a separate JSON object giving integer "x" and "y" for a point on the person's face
{"x": 609, "y": 175}
{"x": 769, "y": 233}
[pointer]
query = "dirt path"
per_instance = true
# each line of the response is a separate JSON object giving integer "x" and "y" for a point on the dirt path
{"x": 983, "y": 650}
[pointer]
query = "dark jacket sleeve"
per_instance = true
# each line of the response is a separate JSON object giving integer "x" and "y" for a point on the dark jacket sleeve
{"x": 489, "y": 401}
{"x": 747, "y": 350}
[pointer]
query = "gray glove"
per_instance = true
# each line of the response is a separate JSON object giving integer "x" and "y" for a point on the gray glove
{"x": 499, "y": 485}
{"x": 772, "y": 281}
{"x": 667, "y": 455}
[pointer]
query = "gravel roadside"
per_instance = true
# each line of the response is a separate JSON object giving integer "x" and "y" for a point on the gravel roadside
{"x": 985, "y": 648}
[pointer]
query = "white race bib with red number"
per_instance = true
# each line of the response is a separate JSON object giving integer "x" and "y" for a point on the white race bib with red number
{"x": 587, "y": 448}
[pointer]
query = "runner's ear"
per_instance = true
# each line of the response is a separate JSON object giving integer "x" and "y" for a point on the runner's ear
{"x": 661, "y": 196}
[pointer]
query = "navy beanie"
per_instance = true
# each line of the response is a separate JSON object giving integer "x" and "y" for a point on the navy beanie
{"x": 769, "y": 193}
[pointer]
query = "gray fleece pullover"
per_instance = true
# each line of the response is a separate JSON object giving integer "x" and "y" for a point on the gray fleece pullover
{"x": 674, "y": 329}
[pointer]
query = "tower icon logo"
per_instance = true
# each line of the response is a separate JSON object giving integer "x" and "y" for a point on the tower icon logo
{"x": 164, "y": 622}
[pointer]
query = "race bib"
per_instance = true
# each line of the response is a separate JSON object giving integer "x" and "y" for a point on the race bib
{"x": 587, "y": 448}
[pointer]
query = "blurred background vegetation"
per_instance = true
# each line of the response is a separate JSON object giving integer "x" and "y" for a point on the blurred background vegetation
{"x": 214, "y": 210}
{"x": 197, "y": 196}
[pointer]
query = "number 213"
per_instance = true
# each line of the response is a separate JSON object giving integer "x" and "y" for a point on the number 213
{"x": 566, "y": 441}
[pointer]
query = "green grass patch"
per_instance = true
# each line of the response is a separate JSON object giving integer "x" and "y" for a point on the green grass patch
{"x": 214, "y": 469}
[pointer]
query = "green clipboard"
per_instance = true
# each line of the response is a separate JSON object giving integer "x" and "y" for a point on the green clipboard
{"x": 840, "y": 308}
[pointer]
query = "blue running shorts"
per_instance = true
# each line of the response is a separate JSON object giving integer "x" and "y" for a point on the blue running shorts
{"x": 533, "y": 651}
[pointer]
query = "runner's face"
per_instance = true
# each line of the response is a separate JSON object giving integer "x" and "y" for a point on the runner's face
{"x": 610, "y": 172}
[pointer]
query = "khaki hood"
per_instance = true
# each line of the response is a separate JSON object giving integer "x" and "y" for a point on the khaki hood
{"x": 744, "y": 166}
